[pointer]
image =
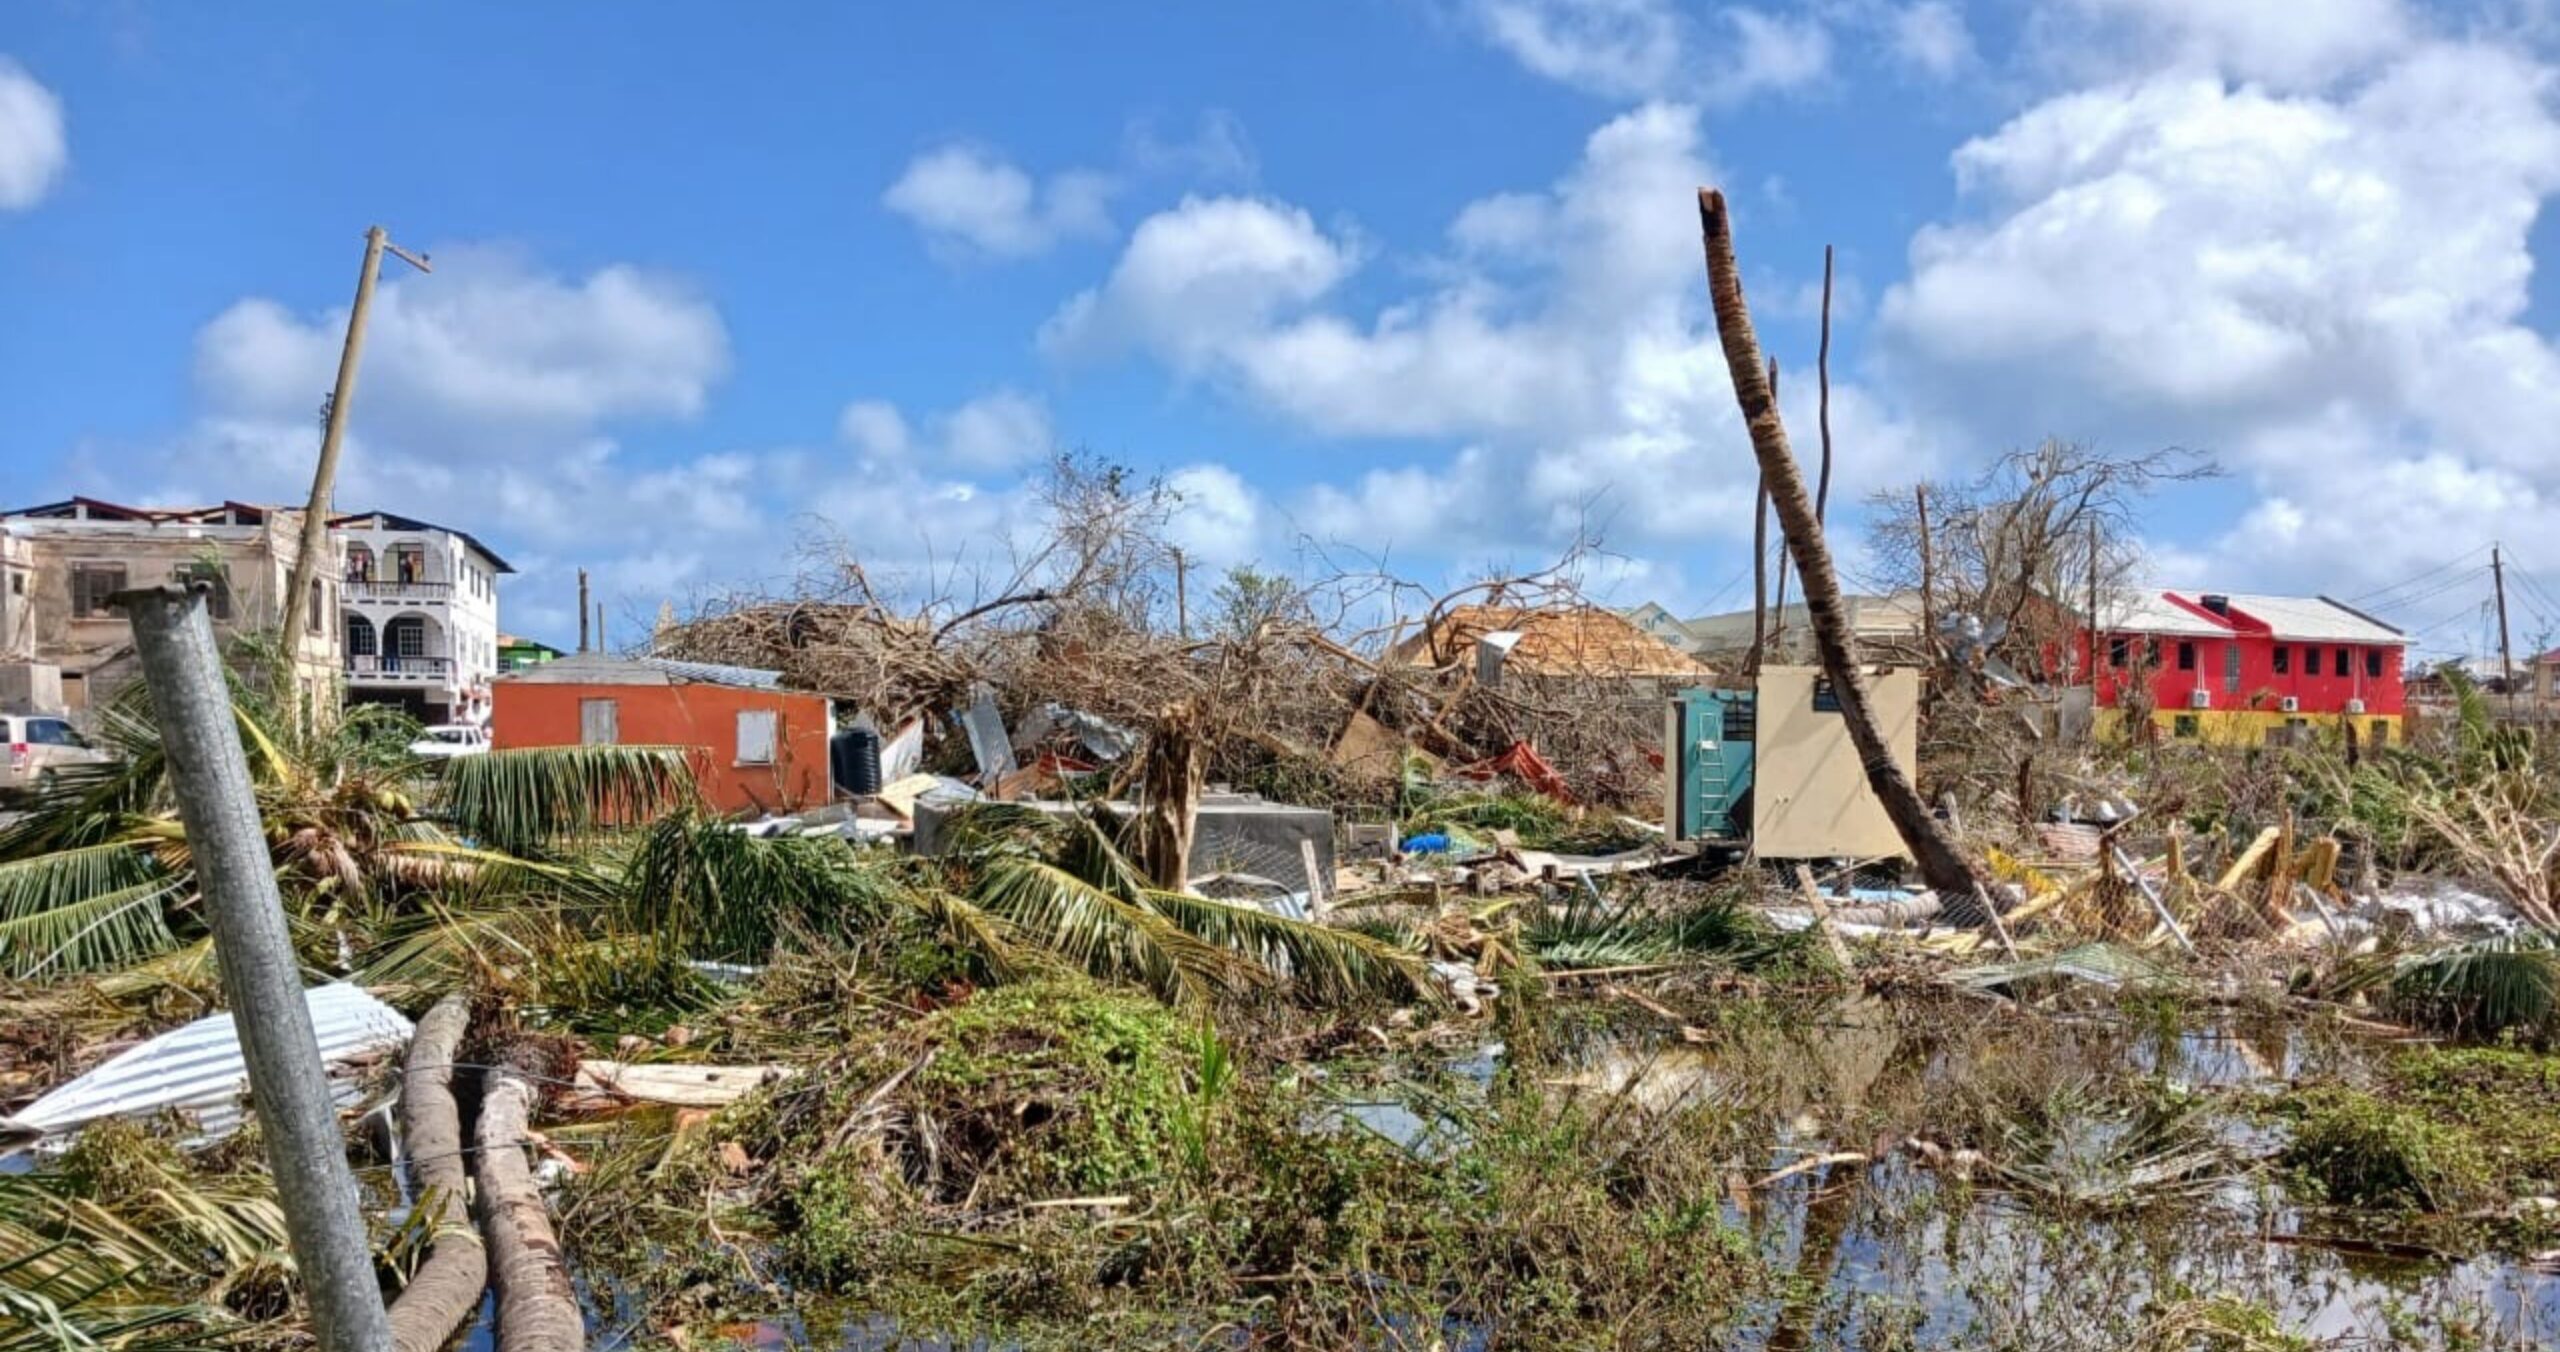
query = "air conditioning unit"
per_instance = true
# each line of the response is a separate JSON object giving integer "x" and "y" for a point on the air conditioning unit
{"x": 2290, "y": 705}
{"x": 2199, "y": 699}
{"x": 2355, "y": 706}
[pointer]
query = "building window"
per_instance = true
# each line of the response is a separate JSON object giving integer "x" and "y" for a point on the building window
{"x": 359, "y": 636}
{"x": 2338, "y": 662}
{"x": 313, "y": 620}
{"x": 2186, "y": 656}
{"x": 2151, "y": 653}
{"x": 359, "y": 563}
{"x": 2231, "y": 668}
{"x": 405, "y": 637}
{"x": 2373, "y": 664}
{"x": 409, "y": 563}
{"x": 2119, "y": 651}
{"x": 2184, "y": 725}
{"x": 92, "y": 584}
{"x": 17, "y": 584}
{"x": 599, "y": 722}
{"x": 756, "y": 729}
{"x": 2284, "y": 660}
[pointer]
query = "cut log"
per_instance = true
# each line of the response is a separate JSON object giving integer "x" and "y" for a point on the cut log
{"x": 447, "y": 1286}
{"x": 537, "y": 1308}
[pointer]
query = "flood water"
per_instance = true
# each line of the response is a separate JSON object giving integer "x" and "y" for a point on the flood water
{"x": 1909, "y": 1246}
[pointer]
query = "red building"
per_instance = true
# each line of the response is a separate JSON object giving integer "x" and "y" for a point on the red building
{"x": 2241, "y": 669}
{"x": 756, "y": 747}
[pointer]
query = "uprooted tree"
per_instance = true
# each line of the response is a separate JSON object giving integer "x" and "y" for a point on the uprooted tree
{"x": 1941, "y": 865}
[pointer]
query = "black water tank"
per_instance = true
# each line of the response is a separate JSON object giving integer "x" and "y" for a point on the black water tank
{"x": 855, "y": 761}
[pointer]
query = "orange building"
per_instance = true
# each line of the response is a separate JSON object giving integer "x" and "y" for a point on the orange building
{"x": 756, "y": 747}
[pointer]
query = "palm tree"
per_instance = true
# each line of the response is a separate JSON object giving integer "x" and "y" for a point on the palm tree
{"x": 1940, "y": 864}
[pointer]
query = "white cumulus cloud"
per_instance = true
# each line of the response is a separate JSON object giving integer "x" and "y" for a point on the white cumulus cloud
{"x": 34, "y": 150}
{"x": 967, "y": 200}
{"x": 1642, "y": 49}
{"x": 2326, "y": 289}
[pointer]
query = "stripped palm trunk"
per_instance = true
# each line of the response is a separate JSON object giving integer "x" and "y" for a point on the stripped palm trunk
{"x": 1944, "y": 869}
{"x": 447, "y": 1286}
{"x": 537, "y": 1308}
{"x": 1177, "y": 764}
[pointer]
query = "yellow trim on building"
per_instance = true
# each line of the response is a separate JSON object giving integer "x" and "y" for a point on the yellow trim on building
{"x": 2250, "y": 727}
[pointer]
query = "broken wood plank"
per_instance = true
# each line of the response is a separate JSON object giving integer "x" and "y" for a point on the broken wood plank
{"x": 682, "y": 1086}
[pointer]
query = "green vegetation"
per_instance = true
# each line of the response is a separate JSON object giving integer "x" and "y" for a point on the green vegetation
{"x": 2440, "y": 1130}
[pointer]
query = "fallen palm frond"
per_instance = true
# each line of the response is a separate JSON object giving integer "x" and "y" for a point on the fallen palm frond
{"x": 2082, "y": 1148}
{"x": 721, "y": 893}
{"x": 82, "y": 910}
{"x": 2484, "y": 988}
{"x": 1323, "y": 962}
{"x": 85, "y": 1306}
{"x": 1110, "y": 938}
{"x": 2493, "y": 831}
{"x": 522, "y": 800}
{"x": 1589, "y": 930}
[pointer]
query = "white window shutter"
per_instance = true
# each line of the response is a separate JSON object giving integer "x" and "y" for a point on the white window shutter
{"x": 756, "y": 736}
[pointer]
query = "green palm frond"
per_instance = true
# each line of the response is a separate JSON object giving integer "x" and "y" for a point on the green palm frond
{"x": 985, "y": 831}
{"x": 2484, "y": 988}
{"x": 521, "y": 800}
{"x": 1323, "y": 962}
{"x": 989, "y": 938}
{"x": 1107, "y": 937}
{"x": 83, "y": 909}
{"x": 720, "y": 893}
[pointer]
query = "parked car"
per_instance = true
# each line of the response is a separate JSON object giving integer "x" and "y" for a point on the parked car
{"x": 451, "y": 739}
{"x": 41, "y": 746}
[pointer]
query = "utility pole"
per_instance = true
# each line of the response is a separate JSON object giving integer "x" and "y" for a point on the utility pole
{"x": 2093, "y": 608}
{"x": 600, "y": 626}
{"x": 583, "y": 610}
{"x": 2506, "y": 655}
{"x": 315, "y": 517}
{"x": 1181, "y": 593}
{"x": 1928, "y": 577}
{"x": 261, "y": 980}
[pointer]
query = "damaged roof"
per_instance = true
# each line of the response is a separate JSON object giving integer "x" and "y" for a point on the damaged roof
{"x": 1554, "y": 641}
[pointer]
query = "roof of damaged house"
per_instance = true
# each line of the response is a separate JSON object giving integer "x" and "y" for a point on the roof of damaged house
{"x": 2315, "y": 619}
{"x": 1554, "y": 641}
{"x": 607, "y": 669}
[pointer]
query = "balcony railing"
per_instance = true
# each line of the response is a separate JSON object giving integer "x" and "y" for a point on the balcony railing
{"x": 362, "y": 668}
{"x": 373, "y": 589}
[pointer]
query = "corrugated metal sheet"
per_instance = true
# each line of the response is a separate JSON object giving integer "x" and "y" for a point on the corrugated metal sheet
{"x": 198, "y": 1071}
{"x": 2315, "y": 617}
{"x": 712, "y": 673}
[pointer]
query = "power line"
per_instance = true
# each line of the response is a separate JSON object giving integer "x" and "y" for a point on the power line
{"x": 2454, "y": 562}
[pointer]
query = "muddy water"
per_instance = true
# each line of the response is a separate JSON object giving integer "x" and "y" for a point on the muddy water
{"x": 1900, "y": 1249}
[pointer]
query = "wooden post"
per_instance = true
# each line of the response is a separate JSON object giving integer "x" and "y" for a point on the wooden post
{"x": 583, "y": 610}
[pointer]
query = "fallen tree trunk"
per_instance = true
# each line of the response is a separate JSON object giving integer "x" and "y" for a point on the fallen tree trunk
{"x": 447, "y": 1286}
{"x": 1945, "y": 870}
{"x": 537, "y": 1308}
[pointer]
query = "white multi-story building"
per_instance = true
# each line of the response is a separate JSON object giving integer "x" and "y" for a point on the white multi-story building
{"x": 421, "y": 615}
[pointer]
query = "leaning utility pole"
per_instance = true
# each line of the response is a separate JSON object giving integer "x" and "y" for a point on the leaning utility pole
{"x": 315, "y": 517}
{"x": 2506, "y": 655}
{"x": 261, "y": 980}
{"x": 1945, "y": 870}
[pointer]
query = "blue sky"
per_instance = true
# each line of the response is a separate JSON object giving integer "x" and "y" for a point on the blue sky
{"x": 1411, "y": 277}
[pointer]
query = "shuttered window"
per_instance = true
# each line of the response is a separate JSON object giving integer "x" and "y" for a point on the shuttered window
{"x": 599, "y": 722}
{"x": 756, "y": 729}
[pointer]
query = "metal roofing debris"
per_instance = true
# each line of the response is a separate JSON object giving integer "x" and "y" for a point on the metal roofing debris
{"x": 198, "y": 1071}
{"x": 607, "y": 669}
{"x": 1585, "y": 641}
